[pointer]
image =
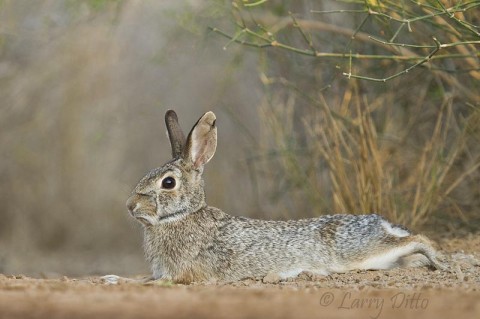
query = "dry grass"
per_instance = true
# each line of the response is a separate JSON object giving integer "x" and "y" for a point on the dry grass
{"x": 332, "y": 158}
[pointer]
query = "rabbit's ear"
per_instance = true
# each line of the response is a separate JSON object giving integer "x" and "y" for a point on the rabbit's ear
{"x": 175, "y": 133}
{"x": 202, "y": 141}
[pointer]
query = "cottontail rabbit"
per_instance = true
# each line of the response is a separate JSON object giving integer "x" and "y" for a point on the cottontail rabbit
{"x": 186, "y": 240}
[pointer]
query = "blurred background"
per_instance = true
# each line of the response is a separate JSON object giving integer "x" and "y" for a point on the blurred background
{"x": 84, "y": 85}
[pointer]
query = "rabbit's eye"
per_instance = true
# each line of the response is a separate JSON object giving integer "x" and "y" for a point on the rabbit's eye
{"x": 168, "y": 182}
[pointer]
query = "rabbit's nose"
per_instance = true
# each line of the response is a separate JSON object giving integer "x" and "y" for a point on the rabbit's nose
{"x": 132, "y": 203}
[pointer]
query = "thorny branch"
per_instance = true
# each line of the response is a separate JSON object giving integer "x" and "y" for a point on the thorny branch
{"x": 265, "y": 37}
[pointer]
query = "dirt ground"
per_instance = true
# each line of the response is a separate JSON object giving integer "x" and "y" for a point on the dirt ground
{"x": 398, "y": 293}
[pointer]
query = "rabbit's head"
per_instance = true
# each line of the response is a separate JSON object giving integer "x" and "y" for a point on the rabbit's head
{"x": 174, "y": 190}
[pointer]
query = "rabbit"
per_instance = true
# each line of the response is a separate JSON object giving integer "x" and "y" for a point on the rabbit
{"x": 185, "y": 240}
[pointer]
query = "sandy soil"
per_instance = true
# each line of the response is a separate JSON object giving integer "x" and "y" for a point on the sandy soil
{"x": 399, "y": 293}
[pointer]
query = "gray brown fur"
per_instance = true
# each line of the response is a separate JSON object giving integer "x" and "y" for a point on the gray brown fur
{"x": 186, "y": 240}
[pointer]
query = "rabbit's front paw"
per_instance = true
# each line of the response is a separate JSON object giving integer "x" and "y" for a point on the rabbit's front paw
{"x": 111, "y": 279}
{"x": 115, "y": 280}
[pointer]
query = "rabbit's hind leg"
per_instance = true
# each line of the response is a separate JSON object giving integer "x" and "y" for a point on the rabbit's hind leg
{"x": 408, "y": 251}
{"x": 423, "y": 254}
{"x": 413, "y": 260}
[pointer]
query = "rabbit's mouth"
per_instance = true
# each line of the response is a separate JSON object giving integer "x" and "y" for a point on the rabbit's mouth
{"x": 146, "y": 220}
